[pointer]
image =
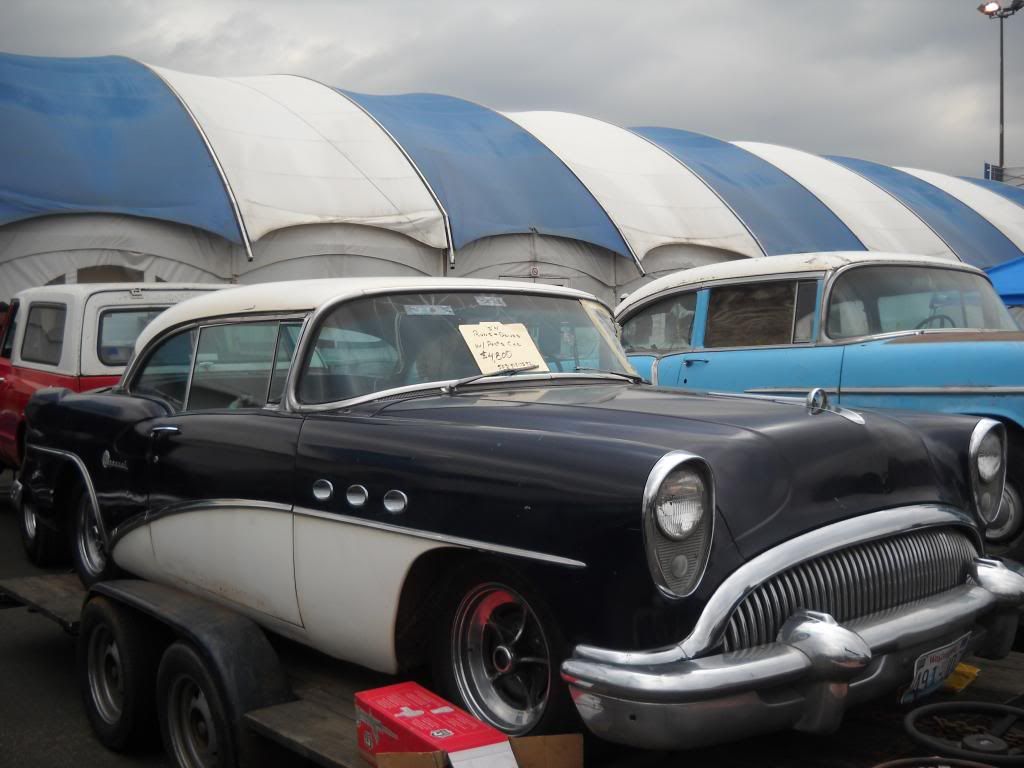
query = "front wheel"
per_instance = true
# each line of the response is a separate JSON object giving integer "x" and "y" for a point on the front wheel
{"x": 88, "y": 550}
{"x": 194, "y": 721}
{"x": 497, "y": 653}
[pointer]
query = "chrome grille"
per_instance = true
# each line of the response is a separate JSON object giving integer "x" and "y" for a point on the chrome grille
{"x": 854, "y": 582}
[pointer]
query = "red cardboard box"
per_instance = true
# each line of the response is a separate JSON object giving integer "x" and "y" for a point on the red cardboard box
{"x": 408, "y": 718}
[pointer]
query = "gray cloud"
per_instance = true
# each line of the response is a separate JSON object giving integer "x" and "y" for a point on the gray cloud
{"x": 905, "y": 83}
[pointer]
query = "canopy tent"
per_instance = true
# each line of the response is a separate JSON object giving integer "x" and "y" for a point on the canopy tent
{"x": 108, "y": 163}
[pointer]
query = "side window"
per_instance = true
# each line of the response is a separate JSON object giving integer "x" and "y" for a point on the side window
{"x": 803, "y": 316}
{"x": 7, "y": 346}
{"x": 44, "y": 333}
{"x": 751, "y": 315}
{"x": 287, "y": 340}
{"x": 165, "y": 372}
{"x": 233, "y": 366}
{"x": 664, "y": 326}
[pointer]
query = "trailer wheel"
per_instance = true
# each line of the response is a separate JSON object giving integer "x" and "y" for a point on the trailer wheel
{"x": 194, "y": 722}
{"x": 42, "y": 544}
{"x": 88, "y": 551}
{"x": 117, "y": 657}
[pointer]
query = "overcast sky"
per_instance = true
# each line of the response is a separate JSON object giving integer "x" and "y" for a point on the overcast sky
{"x": 903, "y": 82}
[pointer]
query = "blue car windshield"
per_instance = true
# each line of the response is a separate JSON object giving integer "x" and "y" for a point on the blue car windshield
{"x": 379, "y": 343}
{"x": 867, "y": 301}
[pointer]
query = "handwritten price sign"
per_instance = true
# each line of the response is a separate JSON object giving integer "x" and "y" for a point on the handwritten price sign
{"x": 502, "y": 347}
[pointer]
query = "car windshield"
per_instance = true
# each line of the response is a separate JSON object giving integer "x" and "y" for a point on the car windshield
{"x": 384, "y": 342}
{"x": 872, "y": 300}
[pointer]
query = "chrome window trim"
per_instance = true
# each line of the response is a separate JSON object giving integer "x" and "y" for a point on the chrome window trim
{"x": 710, "y": 627}
{"x": 441, "y": 538}
{"x": 291, "y": 403}
{"x": 981, "y": 430}
{"x": 835, "y": 274}
{"x": 665, "y": 466}
{"x": 86, "y": 477}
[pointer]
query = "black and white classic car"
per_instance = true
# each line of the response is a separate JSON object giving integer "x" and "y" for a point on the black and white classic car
{"x": 469, "y": 474}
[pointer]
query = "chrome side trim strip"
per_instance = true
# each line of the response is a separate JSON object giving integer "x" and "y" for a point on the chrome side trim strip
{"x": 950, "y": 390}
{"x": 713, "y": 620}
{"x": 455, "y": 541}
{"x": 89, "y": 487}
{"x": 194, "y": 506}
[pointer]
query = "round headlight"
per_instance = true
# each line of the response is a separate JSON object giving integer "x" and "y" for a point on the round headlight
{"x": 680, "y": 503}
{"x": 990, "y": 457}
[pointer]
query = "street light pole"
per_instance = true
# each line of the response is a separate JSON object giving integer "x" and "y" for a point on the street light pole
{"x": 1001, "y": 9}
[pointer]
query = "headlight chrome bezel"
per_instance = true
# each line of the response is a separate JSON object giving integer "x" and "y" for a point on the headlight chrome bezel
{"x": 979, "y": 487}
{"x": 655, "y": 540}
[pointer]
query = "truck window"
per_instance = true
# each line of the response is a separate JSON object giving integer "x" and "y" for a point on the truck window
{"x": 118, "y": 330}
{"x": 44, "y": 334}
{"x": 665, "y": 326}
{"x": 7, "y": 344}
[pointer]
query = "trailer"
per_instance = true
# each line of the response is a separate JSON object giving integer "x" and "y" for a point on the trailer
{"x": 292, "y": 705}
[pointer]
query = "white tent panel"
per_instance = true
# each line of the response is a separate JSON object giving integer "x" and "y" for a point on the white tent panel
{"x": 653, "y": 199}
{"x": 879, "y": 220}
{"x": 1005, "y": 215}
{"x": 296, "y": 152}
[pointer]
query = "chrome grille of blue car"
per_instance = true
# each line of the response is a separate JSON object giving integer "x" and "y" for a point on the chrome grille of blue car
{"x": 854, "y": 582}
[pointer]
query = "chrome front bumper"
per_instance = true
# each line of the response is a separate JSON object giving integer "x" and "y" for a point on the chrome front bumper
{"x": 805, "y": 680}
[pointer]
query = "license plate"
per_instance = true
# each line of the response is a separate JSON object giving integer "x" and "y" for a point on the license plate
{"x": 933, "y": 667}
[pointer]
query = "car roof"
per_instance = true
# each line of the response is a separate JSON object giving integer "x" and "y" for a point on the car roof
{"x": 779, "y": 265}
{"x": 295, "y": 296}
{"x": 80, "y": 290}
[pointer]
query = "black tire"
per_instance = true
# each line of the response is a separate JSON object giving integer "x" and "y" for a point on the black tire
{"x": 117, "y": 656}
{"x": 195, "y": 725}
{"x": 44, "y": 546}
{"x": 519, "y": 630}
{"x": 88, "y": 553}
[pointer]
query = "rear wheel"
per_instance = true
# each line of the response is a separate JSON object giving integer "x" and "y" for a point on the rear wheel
{"x": 194, "y": 722}
{"x": 117, "y": 658}
{"x": 42, "y": 544}
{"x": 497, "y": 653}
{"x": 88, "y": 551}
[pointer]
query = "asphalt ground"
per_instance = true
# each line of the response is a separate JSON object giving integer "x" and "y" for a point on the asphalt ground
{"x": 42, "y": 721}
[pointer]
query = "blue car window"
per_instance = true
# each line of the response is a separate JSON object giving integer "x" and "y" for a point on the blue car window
{"x": 164, "y": 374}
{"x": 889, "y": 298}
{"x": 665, "y": 326}
{"x": 751, "y": 315}
{"x": 233, "y": 363}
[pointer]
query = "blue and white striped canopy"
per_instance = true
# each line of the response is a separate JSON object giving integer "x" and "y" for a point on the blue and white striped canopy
{"x": 245, "y": 157}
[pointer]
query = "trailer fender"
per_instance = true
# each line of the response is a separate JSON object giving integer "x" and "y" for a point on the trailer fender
{"x": 236, "y": 648}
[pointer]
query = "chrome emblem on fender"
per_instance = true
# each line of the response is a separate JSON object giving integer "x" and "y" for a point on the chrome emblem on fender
{"x": 111, "y": 463}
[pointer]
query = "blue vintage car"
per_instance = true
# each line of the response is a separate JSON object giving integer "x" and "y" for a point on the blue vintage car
{"x": 873, "y": 331}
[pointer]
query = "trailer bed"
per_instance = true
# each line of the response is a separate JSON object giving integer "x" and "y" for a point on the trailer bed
{"x": 319, "y": 727}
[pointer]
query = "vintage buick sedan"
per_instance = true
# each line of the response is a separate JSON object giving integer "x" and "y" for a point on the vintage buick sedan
{"x": 469, "y": 474}
{"x": 872, "y": 330}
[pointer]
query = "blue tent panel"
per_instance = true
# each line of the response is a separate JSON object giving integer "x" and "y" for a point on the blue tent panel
{"x": 1008, "y": 280}
{"x": 780, "y": 213}
{"x": 103, "y": 135}
{"x": 1011, "y": 193}
{"x": 492, "y": 177}
{"x": 971, "y": 237}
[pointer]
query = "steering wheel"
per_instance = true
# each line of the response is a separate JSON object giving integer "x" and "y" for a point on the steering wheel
{"x": 969, "y": 740}
{"x": 943, "y": 319}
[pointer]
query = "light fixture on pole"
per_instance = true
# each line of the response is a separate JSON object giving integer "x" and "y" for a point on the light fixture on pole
{"x": 1002, "y": 10}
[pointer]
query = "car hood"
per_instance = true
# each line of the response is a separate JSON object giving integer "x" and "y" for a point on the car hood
{"x": 779, "y": 471}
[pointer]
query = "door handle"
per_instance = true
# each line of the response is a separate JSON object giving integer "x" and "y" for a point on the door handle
{"x": 169, "y": 429}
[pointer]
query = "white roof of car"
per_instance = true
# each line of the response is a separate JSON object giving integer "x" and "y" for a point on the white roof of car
{"x": 82, "y": 290}
{"x": 306, "y": 295}
{"x": 778, "y": 265}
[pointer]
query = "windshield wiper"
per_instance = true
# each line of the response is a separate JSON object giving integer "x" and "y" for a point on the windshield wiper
{"x": 628, "y": 376}
{"x": 450, "y": 389}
